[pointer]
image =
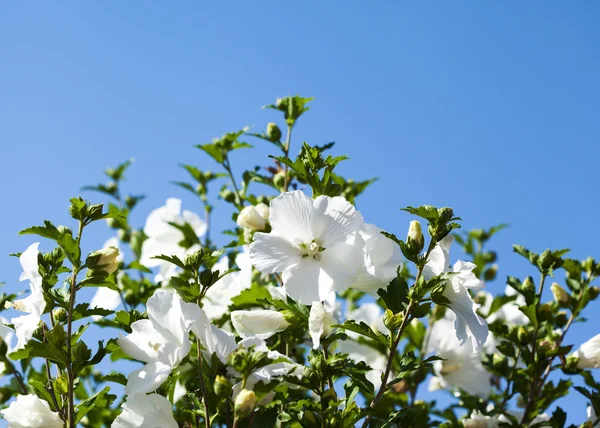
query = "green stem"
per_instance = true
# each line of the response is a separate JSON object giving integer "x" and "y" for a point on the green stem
{"x": 227, "y": 165}
{"x": 70, "y": 375}
{"x": 286, "y": 152}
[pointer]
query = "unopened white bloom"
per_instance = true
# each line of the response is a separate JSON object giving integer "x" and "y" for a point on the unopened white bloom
{"x": 105, "y": 259}
{"x": 263, "y": 210}
{"x": 589, "y": 354}
{"x": 319, "y": 323}
{"x": 146, "y": 411}
{"x": 479, "y": 420}
{"x": 519, "y": 415}
{"x": 468, "y": 324}
{"x": 559, "y": 293}
{"x": 161, "y": 341}
{"x": 415, "y": 233}
{"x": 28, "y": 411}
{"x": 106, "y": 298}
{"x": 163, "y": 238}
{"x": 35, "y": 304}
{"x": 253, "y": 218}
{"x": 218, "y": 297}
{"x": 262, "y": 323}
{"x": 314, "y": 243}
{"x": 245, "y": 402}
{"x": 382, "y": 258}
{"x": 462, "y": 368}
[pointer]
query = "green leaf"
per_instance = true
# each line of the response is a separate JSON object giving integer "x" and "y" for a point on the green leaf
{"x": 396, "y": 295}
{"x": 114, "y": 377}
{"x": 363, "y": 329}
{"x": 101, "y": 400}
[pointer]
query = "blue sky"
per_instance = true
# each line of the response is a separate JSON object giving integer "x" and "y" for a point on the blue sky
{"x": 488, "y": 107}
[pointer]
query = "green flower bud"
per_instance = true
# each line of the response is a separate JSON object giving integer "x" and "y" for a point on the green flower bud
{"x": 244, "y": 403}
{"x": 561, "y": 319}
{"x": 130, "y": 297}
{"x": 227, "y": 195}
{"x": 273, "y": 132}
{"x": 415, "y": 235}
{"x": 593, "y": 292}
{"x": 392, "y": 321}
{"x": 528, "y": 285}
{"x": 490, "y": 273}
{"x": 560, "y": 295}
{"x": 112, "y": 223}
{"x": 222, "y": 387}
{"x": 279, "y": 179}
{"x": 524, "y": 335}
{"x": 59, "y": 314}
{"x": 545, "y": 312}
{"x": 123, "y": 235}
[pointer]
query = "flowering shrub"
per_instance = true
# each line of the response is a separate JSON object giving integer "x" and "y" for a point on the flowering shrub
{"x": 310, "y": 316}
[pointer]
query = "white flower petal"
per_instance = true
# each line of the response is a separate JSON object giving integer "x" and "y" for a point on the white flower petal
{"x": 272, "y": 253}
{"x": 290, "y": 216}
{"x": 137, "y": 343}
{"x": 147, "y": 378}
{"x": 146, "y": 411}
{"x": 300, "y": 280}
{"x": 29, "y": 264}
{"x": 334, "y": 219}
{"x": 25, "y": 326}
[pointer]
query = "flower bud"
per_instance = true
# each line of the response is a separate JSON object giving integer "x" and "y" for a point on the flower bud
{"x": 561, "y": 319}
{"x": 105, "y": 260}
{"x": 279, "y": 179}
{"x": 244, "y": 403}
{"x": 490, "y": 273}
{"x": 263, "y": 210}
{"x": 528, "y": 285}
{"x": 392, "y": 321}
{"x": 415, "y": 235}
{"x": 130, "y": 297}
{"x": 262, "y": 323}
{"x": 222, "y": 386}
{"x": 593, "y": 293}
{"x": 250, "y": 218}
{"x": 524, "y": 335}
{"x": 59, "y": 314}
{"x": 227, "y": 195}
{"x": 273, "y": 132}
{"x": 124, "y": 235}
{"x": 559, "y": 293}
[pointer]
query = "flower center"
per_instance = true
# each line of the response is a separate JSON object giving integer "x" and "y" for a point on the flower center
{"x": 312, "y": 250}
{"x": 155, "y": 346}
{"x": 449, "y": 368}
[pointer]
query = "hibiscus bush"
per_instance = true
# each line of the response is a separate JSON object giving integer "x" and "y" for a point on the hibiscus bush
{"x": 309, "y": 316}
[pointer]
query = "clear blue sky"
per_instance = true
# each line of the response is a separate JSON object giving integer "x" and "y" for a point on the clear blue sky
{"x": 488, "y": 107}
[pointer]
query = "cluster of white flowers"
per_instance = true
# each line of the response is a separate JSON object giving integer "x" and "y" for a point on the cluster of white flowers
{"x": 321, "y": 248}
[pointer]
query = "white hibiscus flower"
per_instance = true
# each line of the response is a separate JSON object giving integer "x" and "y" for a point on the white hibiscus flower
{"x": 314, "y": 243}
{"x": 462, "y": 368}
{"x": 28, "y": 411}
{"x": 468, "y": 324}
{"x": 161, "y": 341}
{"x": 35, "y": 304}
{"x": 146, "y": 411}
{"x": 164, "y": 238}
